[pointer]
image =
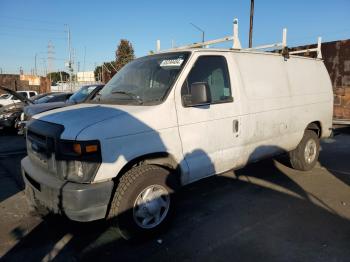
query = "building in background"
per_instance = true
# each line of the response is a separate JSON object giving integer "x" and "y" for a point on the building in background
{"x": 86, "y": 77}
{"x": 25, "y": 82}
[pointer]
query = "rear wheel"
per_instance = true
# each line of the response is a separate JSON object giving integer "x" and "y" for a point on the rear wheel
{"x": 305, "y": 156}
{"x": 143, "y": 201}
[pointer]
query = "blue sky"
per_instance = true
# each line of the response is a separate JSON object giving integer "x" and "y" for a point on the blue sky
{"x": 26, "y": 27}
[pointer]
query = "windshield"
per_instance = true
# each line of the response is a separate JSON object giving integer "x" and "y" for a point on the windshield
{"x": 81, "y": 94}
{"x": 144, "y": 80}
{"x": 44, "y": 99}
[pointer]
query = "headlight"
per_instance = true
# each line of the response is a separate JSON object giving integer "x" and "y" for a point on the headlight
{"x": 78, "y": 161}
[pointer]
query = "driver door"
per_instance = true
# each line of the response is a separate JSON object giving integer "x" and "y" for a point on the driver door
{"x": 210, "y": 133}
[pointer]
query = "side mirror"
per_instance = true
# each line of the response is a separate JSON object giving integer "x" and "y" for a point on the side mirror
{"x": 199, "y": 95}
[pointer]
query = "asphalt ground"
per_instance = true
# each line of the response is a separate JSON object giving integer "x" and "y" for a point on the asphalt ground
{"x": 264, "y": 212}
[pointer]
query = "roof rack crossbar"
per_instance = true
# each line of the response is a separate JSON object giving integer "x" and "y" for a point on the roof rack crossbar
{"x": 316, "y": 49}
{"x": 282, "y": 44}
{"x": 202, "y": 44}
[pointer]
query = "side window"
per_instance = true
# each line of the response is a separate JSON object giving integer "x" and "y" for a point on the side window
{"x": 24, "y": 94}
{"x": 31, "y": 94}
{"x": 213, "y": 71}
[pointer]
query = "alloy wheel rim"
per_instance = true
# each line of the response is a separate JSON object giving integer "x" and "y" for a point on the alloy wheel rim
{"x": 151, "y": 206}
{"x": 310, "y": 151}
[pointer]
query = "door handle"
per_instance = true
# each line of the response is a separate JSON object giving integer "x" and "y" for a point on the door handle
{"x": 235, "y": 126}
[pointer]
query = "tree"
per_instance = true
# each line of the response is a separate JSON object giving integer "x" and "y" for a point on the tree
{"x": 124, "y": 54}
{"x": 107, "y": 73}
{"x": 97, "y": 73}
{"x": 58, "y": 76}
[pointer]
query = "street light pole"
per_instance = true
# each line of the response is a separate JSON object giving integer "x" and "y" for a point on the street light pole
{"x": 198, "y": 28}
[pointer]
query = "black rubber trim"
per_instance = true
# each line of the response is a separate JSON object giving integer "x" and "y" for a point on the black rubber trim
{"x": 35, "y": 184}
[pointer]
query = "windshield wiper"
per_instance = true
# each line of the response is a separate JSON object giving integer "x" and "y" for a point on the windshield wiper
{"x": 131, "y": 95}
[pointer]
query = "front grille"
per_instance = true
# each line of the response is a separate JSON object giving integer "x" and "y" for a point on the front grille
{"x": 41, "y": 144}
{"x": 34, "y": 136}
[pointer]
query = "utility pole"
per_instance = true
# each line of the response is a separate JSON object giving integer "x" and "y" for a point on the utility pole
{"x": 84, "y": 63}
{"x": 69, "y": 63}
{"x": 102, "y": 74}
{"x": 50, "y": 57}
{"x": 251, "y": 23}
{"x": 198, "y": 28}
{"x": 44, "y": 67}
{"x": 35, "y": 68}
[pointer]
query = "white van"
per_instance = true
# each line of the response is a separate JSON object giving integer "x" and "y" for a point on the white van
{"x": 168, "y": 119}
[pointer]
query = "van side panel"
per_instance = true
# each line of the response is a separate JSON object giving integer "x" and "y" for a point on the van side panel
{"x": 282, "y": 98}
{"x": 311, "y": 90}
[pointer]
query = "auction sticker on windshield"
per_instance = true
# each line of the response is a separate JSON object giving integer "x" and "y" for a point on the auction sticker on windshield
{"x": 172, "y": 62}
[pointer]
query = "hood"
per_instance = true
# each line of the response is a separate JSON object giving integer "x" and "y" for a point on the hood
{"x": 14, "y": 107}
{"x": 34, "y": 109}
{"x": 98, "y": 121}
{"x": 17, "y": 95}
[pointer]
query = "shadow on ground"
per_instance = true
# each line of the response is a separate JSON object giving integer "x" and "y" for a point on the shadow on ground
{"x": 218, "y": 218}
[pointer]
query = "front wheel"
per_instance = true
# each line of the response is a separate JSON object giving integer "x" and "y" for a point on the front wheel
{"x": 305, "y": 156}
{"x": 143, "y": 201}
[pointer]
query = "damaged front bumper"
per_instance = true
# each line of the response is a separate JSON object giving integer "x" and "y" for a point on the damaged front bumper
{"x": 79, "y": 202}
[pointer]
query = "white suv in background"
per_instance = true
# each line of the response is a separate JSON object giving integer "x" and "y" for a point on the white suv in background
{"x": 6, "y": 99}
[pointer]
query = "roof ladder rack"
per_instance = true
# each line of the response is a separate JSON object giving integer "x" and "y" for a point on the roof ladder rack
{"x": 235, "y": 41}
{"x": 281, "y": 45}
{"x": 237, "y": 45}
{"x": 316, "y": 49}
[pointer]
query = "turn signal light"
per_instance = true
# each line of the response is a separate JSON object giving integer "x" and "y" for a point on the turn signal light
{"x": 77, "y": 148}
{"x": 91, "y": 148}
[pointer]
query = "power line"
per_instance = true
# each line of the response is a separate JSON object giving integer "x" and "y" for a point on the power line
{"x": 31, "y": 28}
{"x": 19, "y": 35}
{"x": 30, "y": 20}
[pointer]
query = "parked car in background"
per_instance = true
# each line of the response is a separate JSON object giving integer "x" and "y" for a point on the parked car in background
{"x": 6, "y": 99}
{"x": 53, "y": 97}
{"x": 10, "y": 114}
{"x": 85, "y": 93}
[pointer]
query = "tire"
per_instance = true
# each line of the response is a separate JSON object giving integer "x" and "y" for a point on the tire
{"x": 305, "y": 156}
{"x": 143, "y": 201}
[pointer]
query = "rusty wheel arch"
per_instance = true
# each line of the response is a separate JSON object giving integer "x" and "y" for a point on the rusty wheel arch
{"x": 163, "y": 159}
{"x": 316, "y": 127}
